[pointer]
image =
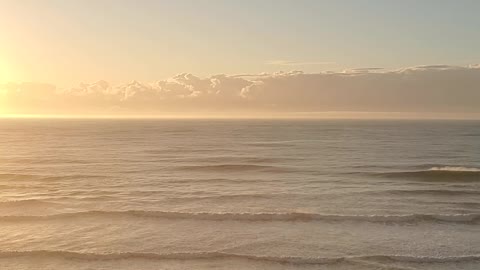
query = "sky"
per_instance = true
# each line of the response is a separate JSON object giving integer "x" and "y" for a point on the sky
{"x": 59, "y": 47}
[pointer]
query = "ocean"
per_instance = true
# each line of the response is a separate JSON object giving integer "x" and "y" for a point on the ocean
{"x": 239, "y": 194}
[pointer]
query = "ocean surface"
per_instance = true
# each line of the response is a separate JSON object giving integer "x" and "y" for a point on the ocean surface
{"x": 239, "y": 194}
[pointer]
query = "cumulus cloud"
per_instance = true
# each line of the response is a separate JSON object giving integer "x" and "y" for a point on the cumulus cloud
{"x": 422, "y": 89}
{"x": 363, "y": 70}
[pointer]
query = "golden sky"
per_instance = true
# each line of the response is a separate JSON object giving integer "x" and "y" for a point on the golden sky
{"x": 189, "y": 57}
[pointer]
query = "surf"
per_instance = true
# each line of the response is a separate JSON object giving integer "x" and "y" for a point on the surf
{"x": 257, "y": 217}
{"x": 297, "y": 260}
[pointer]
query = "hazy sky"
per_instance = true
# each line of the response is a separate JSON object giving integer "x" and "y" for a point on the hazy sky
{"x": 64, "y": 42}
{"x": 67, "y": 42}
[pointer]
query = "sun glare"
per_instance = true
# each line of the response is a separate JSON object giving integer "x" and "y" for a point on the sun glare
{"x": 3, "y": 79}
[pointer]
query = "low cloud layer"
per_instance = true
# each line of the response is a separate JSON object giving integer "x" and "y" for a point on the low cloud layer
{"x": 423, "y": 89}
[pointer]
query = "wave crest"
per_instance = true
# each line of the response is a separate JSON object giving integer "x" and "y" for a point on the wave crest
{"x": 27, "y": 203}
{"x": 224, "y": 255}
{"x": 35, "y": 177}
{"x": 234, "y": 168}
{"x": 261, "y": 217}
{"x": 438, "y": 173}
{"x": 454, "y": 169}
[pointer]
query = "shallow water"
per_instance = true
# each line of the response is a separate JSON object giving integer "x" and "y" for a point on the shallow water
{"x": 238, "y": 194}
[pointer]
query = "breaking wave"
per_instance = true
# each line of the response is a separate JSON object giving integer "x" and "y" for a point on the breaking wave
{"x": 234, "y": 168}
{"x": 454, "y": 169}
{"x": 434, "y": 192}
{"x": 440, "y": 173}
{"x": 225, "y": 255}
{"x": 260, "y": 217}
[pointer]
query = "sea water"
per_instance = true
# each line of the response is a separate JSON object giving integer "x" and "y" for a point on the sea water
{"x": 239, "y": 194}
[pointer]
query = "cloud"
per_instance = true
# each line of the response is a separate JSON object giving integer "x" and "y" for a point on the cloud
{"x": 422, "y": 89}
{"x": 296, "y": 63}
{"x": 363, "y": 70}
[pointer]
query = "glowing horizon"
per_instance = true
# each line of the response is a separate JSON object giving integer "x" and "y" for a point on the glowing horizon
{"x": 439, "y": 91}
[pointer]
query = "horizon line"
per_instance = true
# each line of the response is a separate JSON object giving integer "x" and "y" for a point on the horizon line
{"x": 264, "y": 116}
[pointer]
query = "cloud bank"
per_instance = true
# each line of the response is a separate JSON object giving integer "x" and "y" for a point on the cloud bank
{"x": 425, "y": 89}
